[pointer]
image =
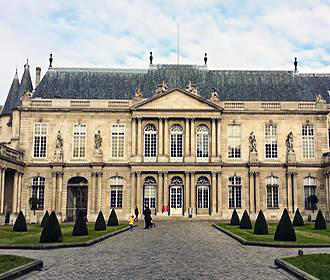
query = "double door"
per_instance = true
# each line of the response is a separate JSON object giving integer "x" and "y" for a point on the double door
{"x": 176, "y": 200}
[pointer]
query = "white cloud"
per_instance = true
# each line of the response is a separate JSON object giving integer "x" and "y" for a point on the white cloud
{"x": 235, "y": 34}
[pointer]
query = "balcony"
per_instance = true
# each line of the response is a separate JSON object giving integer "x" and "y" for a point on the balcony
{"x": 10, "y": 154}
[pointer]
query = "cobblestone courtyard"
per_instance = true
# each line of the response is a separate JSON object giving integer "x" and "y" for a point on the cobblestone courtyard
{"x": 172, "y": 250}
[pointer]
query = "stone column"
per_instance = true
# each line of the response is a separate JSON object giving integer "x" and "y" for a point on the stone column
{"x": 251, "y": 192}
{"x": 64, "y": 196}
{"x": 289, "y": 198}
{"x": 219, "y": 193}
{"x": 139, "y": 142}
{"x": 294, "y": 192}
{"x": 166, "y": 191}
{"x": 93, "y": 194}
{"x": 213, "y": 140}
{"x": 193, "y": 193}
{"x": 214, "y": 194}
{"x": 166, "y": 140}
{"x": 138, "y": 192}
{"x": 193, "y": 142}
{"x": 133, "y": 192}
{"x": 89, "y": 200}
{"x": 19, "y": 193}
{"x": 160, "y": 192}
{"x": 3, "y": 176}
{"x": 187, "y": 138}
{"x": 326, "y": 176}
{"x": 160, "y": 137}
{"x": 257, "y": 193}
{"x": 133, "y": 137}
{"x": 54, "y": 191}
{"x": 99, "y": 191}
{"x": 219, "y": 138}
{"x": 60, "y": 192}
{"x": 187, "y": 193}
{"x": 14, "y": 205}
{"x": 1, "y": 187}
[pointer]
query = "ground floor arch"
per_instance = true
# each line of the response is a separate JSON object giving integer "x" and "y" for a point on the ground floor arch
{"x": 77, "y": 197}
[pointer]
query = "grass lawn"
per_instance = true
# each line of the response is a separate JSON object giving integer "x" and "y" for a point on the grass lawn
{"x": 8, "y": 262}
{"x": 317, "y": 265}
{"x": 305, "y": 234}
{"x": 32, "y": 236}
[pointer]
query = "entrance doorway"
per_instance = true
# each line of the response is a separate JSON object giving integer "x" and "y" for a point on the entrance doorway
{"x": 176, "y": 196}
{"x": 77, "y": 198}
{"x": 203, "y": 196}
{"x": 149, "y": 194}
{"x": 7, "y": 203}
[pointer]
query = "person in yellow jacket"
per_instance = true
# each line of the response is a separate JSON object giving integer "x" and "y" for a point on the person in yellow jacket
{"x": 131, "y": 222}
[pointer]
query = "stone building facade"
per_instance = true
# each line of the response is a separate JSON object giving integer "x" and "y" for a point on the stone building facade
{"x": 172, "y": 137}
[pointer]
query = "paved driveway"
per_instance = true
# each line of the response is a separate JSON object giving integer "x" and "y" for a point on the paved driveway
{"x": 172, "y": 250}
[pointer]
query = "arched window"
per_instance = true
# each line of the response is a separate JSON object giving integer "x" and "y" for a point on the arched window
{"x": 116, "y": 192}
{"x": 150, "y": 192}
{"x": 203, "y": 186}
{"x": 309, "y": 189}
{"x": 38, "y": 191}
{"x": 176, "y": 180}
{"x": 272, "y": 186}
{"x": 202, "y": 149}
{"x": 235, "y": 192}
{"x": 176, "y": 143}
{"x": 150, "y": 141}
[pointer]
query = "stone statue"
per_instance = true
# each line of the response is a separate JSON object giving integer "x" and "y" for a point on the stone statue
{"x": 58, "y": 154}
{"x": 215, "y": 93}
{"x": 151, "y": 58}
{"x": 205, "y": 59}
{"x": 253, "y": 143}
{"x": 138, "y": 93}
{"x": 289, "y": 143}
{"x": 161, "y": 88}
{"x": 97, "y": 140}
{"x": 191, "y": 88}
{"x": 50, "y": 60}
{"x": 319, "y": 99}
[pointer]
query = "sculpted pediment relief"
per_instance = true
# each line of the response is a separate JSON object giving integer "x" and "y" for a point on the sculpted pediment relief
{"x": 177, "y": 100}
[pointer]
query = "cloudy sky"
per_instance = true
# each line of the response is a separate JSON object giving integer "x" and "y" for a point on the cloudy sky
{"x": 246, "y": 34}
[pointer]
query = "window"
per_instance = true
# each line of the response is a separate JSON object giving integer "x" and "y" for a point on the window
{"x": 176, "y": 142}
{"x": 234, "y": 141}
{"x": 38, "y": 191}
{"x": 203, "y": 192}
{"x": 79, "y": 140}
{"x": 235, "y": 192}
{"x": 150, "y": 196}
{"x": 271, "y": 141}
{"x": 309, "y": 189}
{"x": 40, "y": 140}
{"x": 202, "y": 142}
{"x": 150, "y": 141}
{"x": 116, "y": 192}
{"x": 272, "y": 192}
{"x": 118, "y": 138}
{"x": 308, "y": 141}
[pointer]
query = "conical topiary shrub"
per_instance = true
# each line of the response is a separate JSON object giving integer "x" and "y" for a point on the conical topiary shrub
{"x": 234, "y": 221}
{"x": 261, "y": 226}
{"x": 20, "y": 223}
{"x": 100, "y": 222}
{"x": 245, "y": 221}
{"x": 284, "y": 230}
{"x": 52, "y": 231}
{"x": 320, "y": 222}
{"x": 113, "y": 220}
{"x": 80, "y": 226}
{"x": 298, "y": 219}
{"x": 44, "y": 219}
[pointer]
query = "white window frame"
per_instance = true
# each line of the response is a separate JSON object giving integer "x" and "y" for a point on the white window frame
{"x": 117, "y": 131}
{"x": 272, "y": 183}
{"x": 202, "y": 131}
{"x": 79, "y": 145}
{"x": 40, "y": 134}
{"x": 175, "y": 132}
{"x": 309, "y": 183}
{"x": 310, "y": 141}
{"x": 271, "y": 139}
{"x": 150, "y": 193}
{"x": 117, "y": 186}
{"x": 150, "y": 132}
{"x": 233, "y": 188}
{"x": 234, "y": 138}
{"x": 38, "y": 184}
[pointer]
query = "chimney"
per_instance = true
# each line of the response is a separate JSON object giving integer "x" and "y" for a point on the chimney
{"x": 38, "y": 72}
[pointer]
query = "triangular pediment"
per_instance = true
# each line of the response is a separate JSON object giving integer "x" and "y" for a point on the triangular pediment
{"x": 176, "y": 99}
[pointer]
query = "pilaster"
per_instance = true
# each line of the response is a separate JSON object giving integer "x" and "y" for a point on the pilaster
{"x": 133, "y": 134}
{"x": 133, "y": 192}
{"x": 160, "y": 193}
{"x": 54, "y": 187}
{"x": 187, "y": 193}
{"x": 193, "y": 193}
{"x": 219, "y": 192}
{"x": 166, "y": 206}
{"x": 214, "y": 193}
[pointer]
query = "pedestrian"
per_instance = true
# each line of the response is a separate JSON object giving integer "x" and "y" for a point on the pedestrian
{"x": 131, "y": 222}
{"x": 147, "y": 217}
{"x": 136, "y": 214}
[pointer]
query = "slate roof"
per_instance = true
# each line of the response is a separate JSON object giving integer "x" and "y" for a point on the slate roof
{"x": 11, "y": 97}
{"x": 86, "y": 83}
